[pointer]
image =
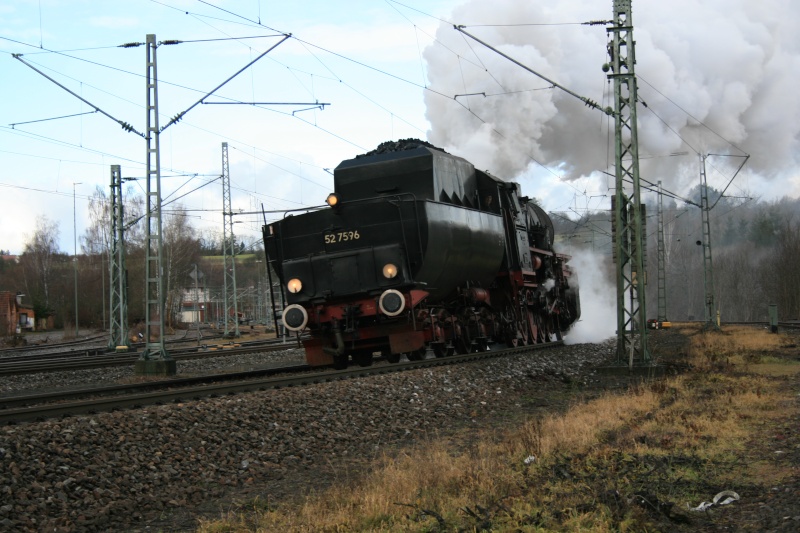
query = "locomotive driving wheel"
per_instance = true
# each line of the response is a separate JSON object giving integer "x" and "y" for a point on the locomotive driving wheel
{"x": 512, "y": 336}
{"x": 416, "y": 355}
{"x": 535, "y": 329}
{"x": 363, "y": 358}
{"x": 441, "y": 349}
{"x": 340, "y": 362}
{"x": 392, "y": 357}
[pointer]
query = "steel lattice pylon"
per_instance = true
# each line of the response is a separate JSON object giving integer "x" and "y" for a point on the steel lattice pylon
{"x": 154, "y": 244}
{"x": 229, "y": 251}
{"x": 118, "y": 303}
{"x": 708, "y": 270}
{"x": 631, "y": 310}
{"x": 662, "y": 268}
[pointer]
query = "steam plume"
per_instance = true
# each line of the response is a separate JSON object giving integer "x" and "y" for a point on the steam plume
{"x": 732, "y": 64}
{"x": 598, "y": 300}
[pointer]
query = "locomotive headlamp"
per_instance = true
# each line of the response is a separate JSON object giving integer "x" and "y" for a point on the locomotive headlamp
{"x": 294, "y": 285}
{"x": 332, "y": 200}
{"x": 389, "y": 271}
{"x": 391, "y": 303}
{"x": 295, "y": 317}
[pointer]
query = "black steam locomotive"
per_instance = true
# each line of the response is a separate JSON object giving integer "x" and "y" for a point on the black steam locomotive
{"x": 417, "y": 249}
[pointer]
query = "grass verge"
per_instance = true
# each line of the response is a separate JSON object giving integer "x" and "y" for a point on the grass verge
{"x": 623, "y": 462}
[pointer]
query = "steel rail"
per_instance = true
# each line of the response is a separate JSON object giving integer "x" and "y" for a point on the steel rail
{"x": 120, "y": 359}
{"x": 104, "y": 350}
{"x": 136, "y": 400}
{"x": 39, "y": 398}
{"x": 764, "y": 323}
{"x": 32, "y": 347}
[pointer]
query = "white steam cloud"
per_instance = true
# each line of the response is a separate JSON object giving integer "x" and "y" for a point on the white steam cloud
{"x": 732, "y": 64}
{"x": 598, "y": 295}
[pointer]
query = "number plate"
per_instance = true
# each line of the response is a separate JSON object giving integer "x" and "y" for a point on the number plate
{"x": 336, "y": 237}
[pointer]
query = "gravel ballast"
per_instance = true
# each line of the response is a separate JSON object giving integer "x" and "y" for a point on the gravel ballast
{"x": 165, "y": 465}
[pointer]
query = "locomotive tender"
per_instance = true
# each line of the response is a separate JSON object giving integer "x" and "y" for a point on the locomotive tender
{"x": 418, "y": 249}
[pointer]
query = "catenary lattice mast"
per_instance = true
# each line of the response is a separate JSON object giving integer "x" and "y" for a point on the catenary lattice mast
{"x": 631, "y": 311}
{"x": 229, "y": 251}
{"x": 118, "y": 299}
{"x": 154, "y": 359}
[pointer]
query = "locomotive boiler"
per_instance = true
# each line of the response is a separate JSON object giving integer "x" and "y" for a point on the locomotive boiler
{"x": 419, "y": 250}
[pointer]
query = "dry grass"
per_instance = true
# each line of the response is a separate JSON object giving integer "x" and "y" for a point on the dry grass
{"x": 731, "y": 340}
{"x": 746, "y": 346}
{"x": 618, "y": 463}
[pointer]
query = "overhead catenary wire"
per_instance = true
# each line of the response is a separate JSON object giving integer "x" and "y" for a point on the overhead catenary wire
{"x": 585, "y": 100}
{"x": 125, "y": 126}
{"x": 259, "y": 24}
{"x": 701, "y": 123}
{"x": 13, "y": 124}
{"x": 484, "y": 94}
{"x": 746, "y": 157}
{"x": 175, "y": 119}
{"x": 343, "y": 57}
{"x": 180, "y": 115}
{"x": 323, "y": 129}
{"x": 283, "y": 169}
{"x": 384, "y": 72}
{"x": 314, "y": 125}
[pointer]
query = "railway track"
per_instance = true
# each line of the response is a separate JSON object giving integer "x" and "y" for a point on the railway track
{"x": 53, "y": 362}
{"x": 35, "y": 347}
{"x": 50, "y": 405}
{"x": 787, "y": 325}
{"x": 86, "y": 347}
{"x": 94, "y": 343}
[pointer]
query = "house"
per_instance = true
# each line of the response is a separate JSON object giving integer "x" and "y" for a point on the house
{"x": 15, "y": 316}
{"x": 194, "y": 299}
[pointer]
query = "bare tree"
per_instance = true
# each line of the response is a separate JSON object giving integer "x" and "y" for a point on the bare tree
{"x": 739, "y": 294}
{"x": 39, "y": 255}
{"x": 181, "y": 250}
{"x": 97, "y": 239}
{"x": 781, "y": 269}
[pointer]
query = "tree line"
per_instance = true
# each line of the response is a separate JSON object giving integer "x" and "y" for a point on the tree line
{"x": 45, "y": 274}
{"x": 755, "y": 248}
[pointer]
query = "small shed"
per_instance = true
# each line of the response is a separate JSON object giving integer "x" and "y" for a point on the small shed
{"x": 15, "y": 317}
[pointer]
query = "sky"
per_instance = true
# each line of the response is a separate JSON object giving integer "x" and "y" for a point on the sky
{"x": 718, "y": 77}
{"x": 364, "y": 61}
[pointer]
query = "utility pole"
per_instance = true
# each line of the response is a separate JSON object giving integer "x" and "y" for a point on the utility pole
{"x": 228, "y": 251}
{"x": 662, "y": 268}
{"x": 628, "y": 220}
{"x": 103, "y": 286}
{"x": 260, "y": 305}
{"x": 75, "y": 255}
{"x": 196, "y": 305}
{"x": 118, "y": 291}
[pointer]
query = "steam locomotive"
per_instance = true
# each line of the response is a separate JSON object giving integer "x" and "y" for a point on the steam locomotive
{"x": 418, "y": 250}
